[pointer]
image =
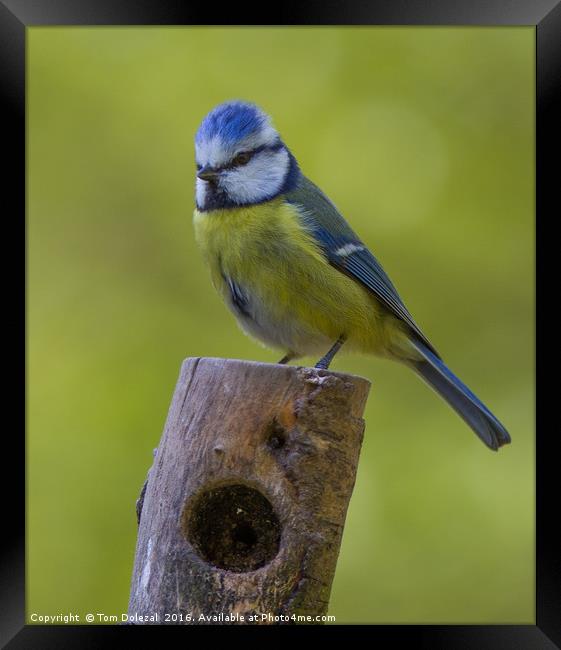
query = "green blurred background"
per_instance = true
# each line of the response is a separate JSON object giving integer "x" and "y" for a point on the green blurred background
{"x": 423, "y": 137}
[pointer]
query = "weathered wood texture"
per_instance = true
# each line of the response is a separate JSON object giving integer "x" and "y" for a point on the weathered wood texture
{"x": 246, "y": 501}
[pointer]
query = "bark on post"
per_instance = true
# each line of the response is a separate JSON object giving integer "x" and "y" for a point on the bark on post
{"x": 246, "y": 501}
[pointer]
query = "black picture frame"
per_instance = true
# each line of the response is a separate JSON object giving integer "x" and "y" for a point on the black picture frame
{"x": 545, "y": 15}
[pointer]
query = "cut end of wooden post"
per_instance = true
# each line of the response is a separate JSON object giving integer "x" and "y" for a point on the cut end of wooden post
{"x": 246, "y": 502}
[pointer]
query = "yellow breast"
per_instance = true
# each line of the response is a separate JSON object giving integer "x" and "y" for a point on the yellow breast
{"x": 300, "y": 301}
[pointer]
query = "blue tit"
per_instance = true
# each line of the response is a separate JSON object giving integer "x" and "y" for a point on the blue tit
{"x": 291, "y": 269}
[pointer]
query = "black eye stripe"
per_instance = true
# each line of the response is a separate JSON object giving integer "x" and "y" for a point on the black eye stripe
{"x": 265, "y": 147}
{"x": 277, "y": 146}
{"x": 242, "y": 158}
{"x": 232, "y": 164}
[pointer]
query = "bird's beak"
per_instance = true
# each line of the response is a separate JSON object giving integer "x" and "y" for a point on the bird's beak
{"x": 207, "y": 173}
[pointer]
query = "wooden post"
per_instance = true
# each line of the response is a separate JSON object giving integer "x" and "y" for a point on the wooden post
{"x": 245, "y": 504}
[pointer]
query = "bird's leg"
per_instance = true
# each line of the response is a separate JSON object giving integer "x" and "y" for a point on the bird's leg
{"x": 287, "y": 357}
{"x": 324, "y": 362}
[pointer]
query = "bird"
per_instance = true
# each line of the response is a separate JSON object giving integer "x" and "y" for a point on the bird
{"x": 292, "y": 270}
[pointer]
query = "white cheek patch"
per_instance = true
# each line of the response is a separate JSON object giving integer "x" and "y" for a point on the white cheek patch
{"x": 262, "y": 177}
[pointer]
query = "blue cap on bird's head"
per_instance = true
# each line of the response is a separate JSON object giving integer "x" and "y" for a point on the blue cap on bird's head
{"x": 231, "y": 122}
{"x": 241, "y": 159}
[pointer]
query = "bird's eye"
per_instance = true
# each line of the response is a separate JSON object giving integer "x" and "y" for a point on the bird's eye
{"x": 242, "y": 158}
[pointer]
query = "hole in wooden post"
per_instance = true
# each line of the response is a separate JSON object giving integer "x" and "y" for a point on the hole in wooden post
{"x": 233, "y": 527}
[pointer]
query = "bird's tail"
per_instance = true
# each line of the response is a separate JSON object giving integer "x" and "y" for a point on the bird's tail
{"x": 439, "y": 377}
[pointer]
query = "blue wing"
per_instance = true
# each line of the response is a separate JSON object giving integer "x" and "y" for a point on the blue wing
{"x": 344, "y": 250}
